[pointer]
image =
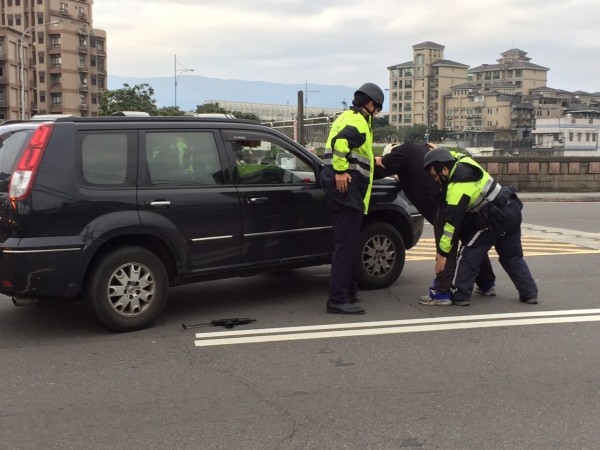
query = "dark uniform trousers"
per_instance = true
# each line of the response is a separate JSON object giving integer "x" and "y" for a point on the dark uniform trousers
{"x": 346, "y": 229}
{"x": 509, "y": 249}
{"x": 443, "y": 280}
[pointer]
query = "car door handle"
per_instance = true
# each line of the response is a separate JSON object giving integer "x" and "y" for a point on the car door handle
{"x": 159, "y": 203}
{"x": 258, "y": 200}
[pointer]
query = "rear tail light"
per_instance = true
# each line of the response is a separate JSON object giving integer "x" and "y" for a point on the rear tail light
{"x": 24, "y": 174}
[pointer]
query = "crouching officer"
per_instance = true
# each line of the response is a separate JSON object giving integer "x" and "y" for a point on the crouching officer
{"x": 482, "y": 214}
{"x": 347, "y": 179}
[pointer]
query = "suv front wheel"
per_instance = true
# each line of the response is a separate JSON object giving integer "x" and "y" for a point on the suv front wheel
{"x": 127, "y": 289}
{"x": 381, "y": 255}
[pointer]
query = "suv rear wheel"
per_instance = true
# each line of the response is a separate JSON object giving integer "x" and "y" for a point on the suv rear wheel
{"x": 128, "y": 288}
{"x": 381, "y": 256}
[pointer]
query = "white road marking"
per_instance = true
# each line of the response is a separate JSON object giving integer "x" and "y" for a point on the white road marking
{"x": 395, "y": 327}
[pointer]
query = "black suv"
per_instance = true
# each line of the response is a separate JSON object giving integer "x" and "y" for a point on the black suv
{"x": 115, "y": 210}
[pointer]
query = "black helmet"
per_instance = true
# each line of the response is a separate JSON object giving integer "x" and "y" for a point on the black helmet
{"x": 373, "y": 92}
{"x": 439, "y": 154}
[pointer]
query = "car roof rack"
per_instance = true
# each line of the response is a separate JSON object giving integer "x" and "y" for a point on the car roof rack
{"x": 131, "y": 113}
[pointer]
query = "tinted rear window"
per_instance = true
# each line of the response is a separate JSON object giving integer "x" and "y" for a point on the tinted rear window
{"x": 12, "y": 143}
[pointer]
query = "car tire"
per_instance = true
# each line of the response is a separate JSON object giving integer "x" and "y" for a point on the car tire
{"x": 380, "y": 257}
{"x": 127, "y": 289}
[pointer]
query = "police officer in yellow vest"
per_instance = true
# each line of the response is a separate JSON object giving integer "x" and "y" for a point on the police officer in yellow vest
{"x": 482, "y": 214}
{"x": 347, "y": 179}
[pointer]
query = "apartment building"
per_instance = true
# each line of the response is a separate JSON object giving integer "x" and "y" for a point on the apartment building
{"x": 502, "y": 99}
{"x": 52, "y": 61}
{"x": 513, "y": 68}
{"x": 575, "y": 134}
{"x": 417, "y": 87}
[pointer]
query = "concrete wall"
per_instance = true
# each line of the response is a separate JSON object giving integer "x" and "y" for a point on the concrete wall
{"x": 545, "y": 174}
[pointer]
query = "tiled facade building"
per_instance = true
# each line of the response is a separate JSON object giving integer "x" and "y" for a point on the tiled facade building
{"x": 502, "y": 100}
{"x": 63, "y": 58}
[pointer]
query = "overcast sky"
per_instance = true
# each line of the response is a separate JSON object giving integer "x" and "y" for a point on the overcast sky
{"x": 345, "y": 42}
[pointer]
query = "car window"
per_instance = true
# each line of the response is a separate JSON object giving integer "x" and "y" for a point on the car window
{"x": 104, "y": 159}
{"x": 183, "y": 158}
{"x": 12, "y": 142}
{"x": 266, "y": 160}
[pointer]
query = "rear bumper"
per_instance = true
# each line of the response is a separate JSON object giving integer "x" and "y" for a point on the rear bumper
{"x": 40, "y": 272}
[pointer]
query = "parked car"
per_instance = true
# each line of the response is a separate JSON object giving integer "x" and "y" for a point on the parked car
{"x": 115, "y": 210}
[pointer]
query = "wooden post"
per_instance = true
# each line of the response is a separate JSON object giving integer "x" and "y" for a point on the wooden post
{"x": 300, "y": 119}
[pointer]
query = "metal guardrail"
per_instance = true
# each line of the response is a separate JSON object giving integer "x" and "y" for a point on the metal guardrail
{"x": 316, "y": 130}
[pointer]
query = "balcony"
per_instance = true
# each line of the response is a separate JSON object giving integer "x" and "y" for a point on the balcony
{"x": 82, "y": 49}
{"x": 82, "y": 68}
{"x": 83, "y": 107}
{"x": 83, "y": 87}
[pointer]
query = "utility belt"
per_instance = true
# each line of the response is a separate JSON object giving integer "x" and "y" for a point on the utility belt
{"x": 490, "y": 214}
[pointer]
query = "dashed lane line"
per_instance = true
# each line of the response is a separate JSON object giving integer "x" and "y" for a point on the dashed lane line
{"x": 236, "y": 337}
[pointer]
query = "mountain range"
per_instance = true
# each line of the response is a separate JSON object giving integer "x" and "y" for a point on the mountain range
{"x": 193, "y": 90}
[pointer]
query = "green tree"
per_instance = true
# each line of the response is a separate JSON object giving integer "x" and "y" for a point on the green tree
{"x": 170, "y": 111}
{"x": 210, "y": 108}
{"x": 136, "y": 98}
{"x": 249, "y": 116}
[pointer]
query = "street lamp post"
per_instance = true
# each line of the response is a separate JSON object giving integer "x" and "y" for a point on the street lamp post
{"x": 22, "y": 61}
{"x": 178, "y": 72}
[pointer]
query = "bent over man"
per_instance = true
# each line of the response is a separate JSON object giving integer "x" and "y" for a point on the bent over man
{"x": 347, "y": 179}
{"x": 482, "y": 214}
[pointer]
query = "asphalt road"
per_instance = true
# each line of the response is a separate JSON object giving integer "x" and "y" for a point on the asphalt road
{"x": 495, "y": 375}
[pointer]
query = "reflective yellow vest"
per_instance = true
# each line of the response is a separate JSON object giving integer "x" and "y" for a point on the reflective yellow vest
{"x": 349, "y": 148}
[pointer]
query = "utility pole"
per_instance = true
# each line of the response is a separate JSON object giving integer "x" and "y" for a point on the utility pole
{"x": 178, "y": 72}
{"x": 306, "y": 92}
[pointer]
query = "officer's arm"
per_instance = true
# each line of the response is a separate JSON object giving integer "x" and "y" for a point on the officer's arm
{"x": 455, "y": 213}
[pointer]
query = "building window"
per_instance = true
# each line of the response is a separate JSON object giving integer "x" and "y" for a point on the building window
{"x": 56, "y": 79}
{"x": 41, "y": 57}
{"x": 55, "y": 40}
{"x": 64, "y": 8}
{"x": 55, "y": 60}
{"x": 18, "y": 20}
{"x": 57, "y": 99}
{"x": 518, "y": 72}
{"x": 42, "y": 76}
{"x": 101, "y": 82}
